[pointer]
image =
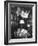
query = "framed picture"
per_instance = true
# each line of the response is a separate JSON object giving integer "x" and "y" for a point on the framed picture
{"x": 20, "y": 22}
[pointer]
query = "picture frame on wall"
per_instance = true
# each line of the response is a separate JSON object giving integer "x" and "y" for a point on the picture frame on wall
{"x": 20, "y": 22}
